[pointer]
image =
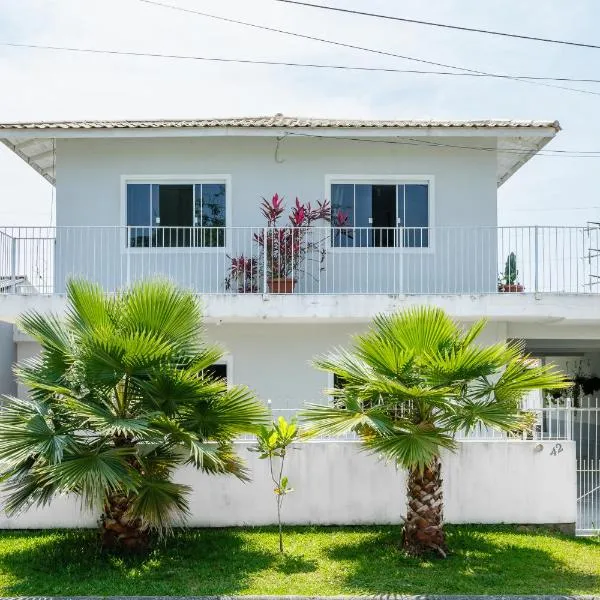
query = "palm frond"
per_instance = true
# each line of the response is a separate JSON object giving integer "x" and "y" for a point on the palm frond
{"x": 520, "y": 377}
{"x": 87, "y": 309}
{"x": 25, "y": 490}
{"x": 93, "y": 473}
{"x": 473, "y": 332}
{"x": 412, "y": 446}
{"x": 30, "y": 432}
{"x": 491, "y": 413}
{"x": 416, "y": 329}
{"x": 465, "y": 363}
{"x": 336, "y": 421}
{"x": 228, "y": 415}
{"x": 106, "y": 423}
{"x": 158, "y": 503}
{"x": 159, "y": 306}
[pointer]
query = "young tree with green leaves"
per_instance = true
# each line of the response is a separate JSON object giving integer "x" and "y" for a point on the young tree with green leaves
{"x": 118, "y": 399}
{"x": 272, "y": 444}
{"x": 411, "y": 383}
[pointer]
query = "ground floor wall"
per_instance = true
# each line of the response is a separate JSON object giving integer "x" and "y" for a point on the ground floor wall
{"x": 336, "y": 484}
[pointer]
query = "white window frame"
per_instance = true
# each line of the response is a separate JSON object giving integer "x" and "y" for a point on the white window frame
{"x": 183, "y": 180}
{"x": 227, "y": 360}
{"x": 388, "y": 180}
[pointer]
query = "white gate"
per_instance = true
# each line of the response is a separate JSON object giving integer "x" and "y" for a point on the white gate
{"x": 586, "y": 434}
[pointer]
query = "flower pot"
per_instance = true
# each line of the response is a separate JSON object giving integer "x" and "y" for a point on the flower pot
{"x": 281, "y": 286}
{"x": 511, "y": 288}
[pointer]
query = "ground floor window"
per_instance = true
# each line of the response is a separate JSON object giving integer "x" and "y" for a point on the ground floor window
{"x": 218, "y": 371}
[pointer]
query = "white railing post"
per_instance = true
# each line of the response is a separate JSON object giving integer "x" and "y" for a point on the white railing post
{"x": 536, "y": 266}
{"x": 13, "y": 264}
{"x": 265, "y": 288}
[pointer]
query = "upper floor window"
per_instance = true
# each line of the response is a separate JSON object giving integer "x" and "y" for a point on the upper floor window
{"x": 180, "y": 215}
{"x": 380, "y": 215}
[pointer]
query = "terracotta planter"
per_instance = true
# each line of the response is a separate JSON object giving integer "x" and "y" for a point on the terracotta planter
{"x": 281, "y": 286}
{"x": 511, "y": 288}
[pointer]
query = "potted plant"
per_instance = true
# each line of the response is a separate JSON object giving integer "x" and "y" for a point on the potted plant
{"x": 507, "y": 281}
{"x": 285, "y": 247}
{"x": 242, "y": 275}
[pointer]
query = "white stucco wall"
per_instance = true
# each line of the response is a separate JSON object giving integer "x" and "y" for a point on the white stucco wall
{"x": 89, "y": 192}
{"x": 8, "y": 355}
{"x": 484, "y": 482}
{"x": 274, "y": 359}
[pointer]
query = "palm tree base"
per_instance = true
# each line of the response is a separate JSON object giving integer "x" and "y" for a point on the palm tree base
{"x": 117, "y": 532}
{"x": 423, "y": 525}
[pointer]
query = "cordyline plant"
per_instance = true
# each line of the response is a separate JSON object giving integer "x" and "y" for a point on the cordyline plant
{"x": 119, "y": 398}
{"x": 272, "y": 444}
{"x": 410, "y": 384}
{"x": 286, "y": 246}
{"x": 242, "y": 276}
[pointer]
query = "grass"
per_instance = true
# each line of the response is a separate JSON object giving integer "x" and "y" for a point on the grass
{"x": 335, "y": 560}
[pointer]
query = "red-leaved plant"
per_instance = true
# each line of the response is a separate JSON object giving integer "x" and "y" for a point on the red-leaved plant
{"x": 242, "y": 276}
{"x": 285, "y": 246}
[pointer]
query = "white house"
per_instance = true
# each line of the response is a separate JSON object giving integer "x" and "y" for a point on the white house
{"x": 413, "y": 220}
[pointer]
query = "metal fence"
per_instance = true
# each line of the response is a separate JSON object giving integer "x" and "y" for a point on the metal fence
{"x": 318, "y": 260}
{"x": 543, "y": 424}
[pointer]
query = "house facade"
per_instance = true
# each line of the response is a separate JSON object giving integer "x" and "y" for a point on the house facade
{"x": 410, "y": 218}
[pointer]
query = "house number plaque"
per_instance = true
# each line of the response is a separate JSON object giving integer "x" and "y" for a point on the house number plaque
{"x": 556, "y": 450}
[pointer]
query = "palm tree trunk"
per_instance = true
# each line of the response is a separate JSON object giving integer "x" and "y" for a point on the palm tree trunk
{"x": 117, "y": 531}
{"x": 423, "y": 527}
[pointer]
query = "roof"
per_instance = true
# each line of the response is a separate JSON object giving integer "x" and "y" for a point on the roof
{"x": 280, "y": 120}
{"x": 34, "y": 141}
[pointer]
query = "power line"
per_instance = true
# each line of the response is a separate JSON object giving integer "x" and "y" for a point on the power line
{"x": 444, "y": 25}
{"x": 356, "y": 47}
{"x": 418, "y": 142}
{"x": 281, "y": 63}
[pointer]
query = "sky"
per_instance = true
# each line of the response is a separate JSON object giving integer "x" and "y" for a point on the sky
{"x": 49, "y": 85}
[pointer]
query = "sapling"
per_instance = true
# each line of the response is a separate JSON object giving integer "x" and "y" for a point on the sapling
{"x": 272, "y": 444}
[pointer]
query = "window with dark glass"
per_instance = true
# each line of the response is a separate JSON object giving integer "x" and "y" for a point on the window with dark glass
{"x": 218, "y": 371}
{"x": 365, "y": 215}
{"x": 179, "y": 215}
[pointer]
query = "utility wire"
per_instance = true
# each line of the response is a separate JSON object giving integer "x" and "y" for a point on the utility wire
{"x": 419, "y": 142}
{"x": 282, "y": 63}
{"x": 443, "y": 25}
{"x": 356, "y": 47}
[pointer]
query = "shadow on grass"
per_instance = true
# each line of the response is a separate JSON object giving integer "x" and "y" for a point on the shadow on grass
{"x": 193, "y": 562}
{"x": 289, "y": 564}
{"x": 512, "y": 562}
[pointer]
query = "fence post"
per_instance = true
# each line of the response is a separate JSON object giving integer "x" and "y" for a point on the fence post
{"x": 265, "y": 289}
{"x": 13, "y": 264}
{"x": 536, "y": 266}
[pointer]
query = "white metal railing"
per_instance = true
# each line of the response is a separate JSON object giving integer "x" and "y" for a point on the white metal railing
{"x": 547, "y": 424}
{"x": 319, "y": 260}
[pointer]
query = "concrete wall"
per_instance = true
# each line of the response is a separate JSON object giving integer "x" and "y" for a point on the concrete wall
{"x": 8, "y": 355}
{"x": 484, "y": 482}
{"x": 89, "y": 192}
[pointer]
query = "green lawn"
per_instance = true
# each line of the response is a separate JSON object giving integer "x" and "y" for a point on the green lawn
{"x": 348, "y": 560}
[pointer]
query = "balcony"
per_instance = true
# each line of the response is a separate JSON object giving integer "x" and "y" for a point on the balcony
{"x": 319, "y": 261}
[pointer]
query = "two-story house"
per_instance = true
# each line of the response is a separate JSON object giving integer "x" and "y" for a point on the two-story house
{"x": 418, "y": 203}
{"x": 411, "y": 218}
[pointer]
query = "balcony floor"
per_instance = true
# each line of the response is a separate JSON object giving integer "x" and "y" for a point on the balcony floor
{"x": 576, "y": 309}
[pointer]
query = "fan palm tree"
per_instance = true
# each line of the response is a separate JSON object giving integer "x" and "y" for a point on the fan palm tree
{"x": 410, "y": 384}
{"x": 119, "y": 398}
